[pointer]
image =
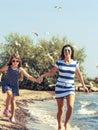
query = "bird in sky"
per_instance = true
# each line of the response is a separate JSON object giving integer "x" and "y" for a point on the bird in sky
{"x": 35, "y": 33}
{"x": 97, "y": 66}
{"x": 26, "y": 65}
{"x": 47, "y": 33}
{"x": 58, "y": 7}
{"x": 17, "y": 44}
{"x": 50, "y": 57}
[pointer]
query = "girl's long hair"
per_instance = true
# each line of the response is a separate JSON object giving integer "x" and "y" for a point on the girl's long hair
{"x": 16, "y": 56}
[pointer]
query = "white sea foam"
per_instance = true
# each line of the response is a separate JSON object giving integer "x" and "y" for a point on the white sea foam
{"x": 84, "y": 103}
{"x": 43, "y": 117}
{"x": 84, "y": 110}
{"x": 44, "y": 120}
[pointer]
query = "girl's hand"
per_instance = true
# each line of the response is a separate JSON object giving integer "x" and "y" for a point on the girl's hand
{"x": 39, "y": 79}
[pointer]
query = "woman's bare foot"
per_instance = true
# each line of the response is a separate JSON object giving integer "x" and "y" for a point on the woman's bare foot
{"x": 67, "y": 127}
{"x": 59, "y": 128}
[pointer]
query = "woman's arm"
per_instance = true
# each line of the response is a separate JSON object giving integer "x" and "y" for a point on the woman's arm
{"x": 80, "y": 77}
{"x": 52, "y": 72}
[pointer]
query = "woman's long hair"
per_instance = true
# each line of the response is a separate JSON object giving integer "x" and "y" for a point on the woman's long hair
{"x": 72, "y": 50}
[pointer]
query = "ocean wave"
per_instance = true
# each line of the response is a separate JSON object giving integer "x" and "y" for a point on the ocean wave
{"x": 42, "y": 119}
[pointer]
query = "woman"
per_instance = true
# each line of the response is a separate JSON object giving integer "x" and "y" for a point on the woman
{"x": 10, "y": 83}
{"x": 67, "y": 68}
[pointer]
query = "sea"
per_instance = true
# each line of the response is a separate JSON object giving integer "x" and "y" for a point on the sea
{"x": 84, "y": 116}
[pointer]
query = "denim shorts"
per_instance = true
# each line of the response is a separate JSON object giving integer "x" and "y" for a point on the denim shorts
{"x": 14, "y": 90}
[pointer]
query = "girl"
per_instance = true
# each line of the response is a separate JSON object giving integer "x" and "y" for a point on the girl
{"x": 10, "y": 83}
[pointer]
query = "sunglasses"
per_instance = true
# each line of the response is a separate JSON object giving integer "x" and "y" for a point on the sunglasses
{"x": 15, "y": 61}
{"x": 67, "y": 50}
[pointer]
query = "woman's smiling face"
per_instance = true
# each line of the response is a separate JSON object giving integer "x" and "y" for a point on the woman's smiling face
{"x": 67, "y": 51}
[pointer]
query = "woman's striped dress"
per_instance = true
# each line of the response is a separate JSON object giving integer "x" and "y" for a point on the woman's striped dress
{"x": 65, "y": 81}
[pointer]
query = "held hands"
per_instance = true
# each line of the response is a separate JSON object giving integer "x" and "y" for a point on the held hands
{"x": 39, "y": 79}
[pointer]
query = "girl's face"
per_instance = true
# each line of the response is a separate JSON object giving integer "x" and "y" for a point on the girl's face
{"x": 67, "y": 52}
{"x": 15, "y": 62}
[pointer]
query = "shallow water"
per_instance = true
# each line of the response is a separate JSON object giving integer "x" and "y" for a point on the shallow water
{"x": 84, "y": 117}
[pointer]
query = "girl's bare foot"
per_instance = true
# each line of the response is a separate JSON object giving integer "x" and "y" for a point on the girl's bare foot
{"x": 12, "y": 119}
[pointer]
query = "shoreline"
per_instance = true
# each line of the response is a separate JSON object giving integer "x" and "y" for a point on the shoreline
{"x": 21, "y": 113}
{"x": 26, "y": 96}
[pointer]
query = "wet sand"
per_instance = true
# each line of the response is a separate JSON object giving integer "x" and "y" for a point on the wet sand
{"x": 21, "y": 113}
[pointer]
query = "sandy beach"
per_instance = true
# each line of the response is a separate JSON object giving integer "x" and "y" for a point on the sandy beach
{"x": 26, "y": 96}
{"x": 21, "y": 114}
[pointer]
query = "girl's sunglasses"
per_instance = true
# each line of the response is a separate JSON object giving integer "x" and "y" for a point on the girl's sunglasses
{"x": 15, "y": 61}
{"x": 67, "y": 50}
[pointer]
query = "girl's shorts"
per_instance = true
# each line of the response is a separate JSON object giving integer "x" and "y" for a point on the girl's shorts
{"x": 14, "y": 90}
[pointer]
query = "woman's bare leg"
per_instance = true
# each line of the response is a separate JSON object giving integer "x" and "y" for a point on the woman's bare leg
{"x": 60, "y": 104}
{"x": 70, "y": 104}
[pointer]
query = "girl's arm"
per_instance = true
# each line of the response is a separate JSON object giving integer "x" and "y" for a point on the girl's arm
{"x": 22, "y": 71}
{"x": 80, "y": 77}
{"x": 4, "y": 69}
{"x": 21, "y": 77}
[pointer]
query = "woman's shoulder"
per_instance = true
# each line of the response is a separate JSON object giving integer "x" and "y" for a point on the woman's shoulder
{"x": 60, "y": 60}
{"x": 75, "y": 61}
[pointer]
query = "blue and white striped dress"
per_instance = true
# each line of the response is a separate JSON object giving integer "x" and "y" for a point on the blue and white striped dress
{"x": 65, "y": 81}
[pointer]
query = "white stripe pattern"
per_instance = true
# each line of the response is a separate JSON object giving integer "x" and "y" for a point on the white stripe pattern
{"x": 65, "y": 81}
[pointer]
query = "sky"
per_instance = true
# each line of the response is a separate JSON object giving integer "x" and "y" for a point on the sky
{"x": 76, "y": 19}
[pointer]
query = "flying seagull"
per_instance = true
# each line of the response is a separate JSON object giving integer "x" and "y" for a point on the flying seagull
{"x": 17, "y": 44}
{"x": 97, "y": 66}
{"x": 26, "y": 65}
{"x": 58, "y": 7}
{"x": 35, "y": 33}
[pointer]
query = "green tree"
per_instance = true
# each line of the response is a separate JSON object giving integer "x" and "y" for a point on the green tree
{"x": 37, "y": 58}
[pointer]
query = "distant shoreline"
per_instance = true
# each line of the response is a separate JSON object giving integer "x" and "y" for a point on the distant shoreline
{"x": 92, "y": 89}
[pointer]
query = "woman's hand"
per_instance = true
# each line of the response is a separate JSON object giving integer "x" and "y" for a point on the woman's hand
{"x": 85, "y": 89}
{"x": 39, "y": 80}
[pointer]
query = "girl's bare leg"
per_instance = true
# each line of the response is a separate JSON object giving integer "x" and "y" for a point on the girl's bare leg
{"x": 8, "y": 102}
{"x": 8, "y": 99}
{"x": 13, "y": 106}
{"x": 70, "y": 104}
{"x": 60, "y": 104}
